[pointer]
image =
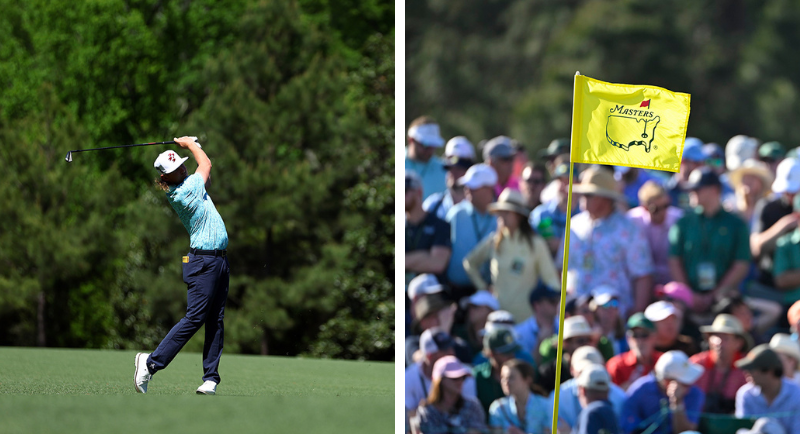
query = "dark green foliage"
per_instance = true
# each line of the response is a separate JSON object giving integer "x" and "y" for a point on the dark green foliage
{"x": 297, "y": 120}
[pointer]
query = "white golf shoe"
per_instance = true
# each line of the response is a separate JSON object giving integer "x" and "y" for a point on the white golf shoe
{"x": 208, "y": 388}
{"x": 141, "y": 376}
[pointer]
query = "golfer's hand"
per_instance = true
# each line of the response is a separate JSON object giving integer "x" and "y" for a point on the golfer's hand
{"x": 185, "y": 141}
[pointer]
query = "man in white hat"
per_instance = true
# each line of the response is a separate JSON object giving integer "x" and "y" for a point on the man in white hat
{"x": 424, "y": 139}
{"x": 205, "y": 269}
{"x": 427, "y": 236}
{"x": 577, "y": 333}
{"x": 459, "y": 156}
{"x": 668, "y": 321}
{"x": 598, "y": 415}
{"x": 605, "y": 247}
{"x": 470, "y": 221}
{"x": 672, "y": 383}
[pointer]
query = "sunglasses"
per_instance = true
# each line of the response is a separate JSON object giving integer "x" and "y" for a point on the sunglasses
{"x": 611, "y": 303}
{"x": 657, "y": 208}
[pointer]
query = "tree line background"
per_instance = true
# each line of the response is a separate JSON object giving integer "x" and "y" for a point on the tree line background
{"x": 506, "y": 67}
{"x": 293, "y": 101}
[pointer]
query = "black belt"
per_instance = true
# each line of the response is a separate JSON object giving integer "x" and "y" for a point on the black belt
{"x": 222, "y": 253}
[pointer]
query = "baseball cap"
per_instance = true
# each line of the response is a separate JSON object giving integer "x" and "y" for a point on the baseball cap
{"x": 556, "y": 147}
{"x": 427, "y": 135}
{"x": 168, "y": 161}
{"x": 450, "y": 367}
{"x": 660, "y": 311}
{"x": 561, "y": 170}
{"x": 760, "y": 357}
{"x": 433, "y": 340}
{"x": 676, "y": 291}
{"x": 429, "y": 304}
{"x": 594, "y": 377}
{"x": 576, "y": 326}
{"x": 771, "y": 150}
{"x": 479, "y": 175}
{"x": 585, "y": 356}
{"x": 542, "y": 291}
{"x": 693, "y": 150}
{"x": 787, "y": 176}
{"x": 413, "y": 181}
{"x": 423, "y": 284}
{"x": 459, "y": 152}
{"x": 483, "y": 298}
{"x": 500, "y": 317}
{"x": 675, "y": 365}
{"x": 784, "y": 344}
{"x": 603, "y": 294}
{"x": 639, "y": 320}
{"x": 739, "y": 149}
{"x": 498, "y": 147}
{"x": 713, "y": 150}
{"x": 500, "y": 340}
{"x": 763, "y": 425}
{"x": 702, "y": 177}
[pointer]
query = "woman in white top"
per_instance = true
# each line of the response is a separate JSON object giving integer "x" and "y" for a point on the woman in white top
{"x": 518, "y": 257}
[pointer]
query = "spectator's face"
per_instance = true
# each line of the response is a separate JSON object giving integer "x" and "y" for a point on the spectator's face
{"x": 752, "y": 185}
{"x": 453, "y": 385}
{"x": 454, "y": 173}
{"x": 476, "y": 316}
{"x": 513, "y": 382}
{"x": 707, "y": 197}
{"x": 481, "y": 197}
{"x": 576, "y": 342}
{"x": 657, "y": 208}
{"x": 596, "y": 206}
{"x": 688, "y": 166}
{"x": 503, "y": 166}
{"x": 509, "y": 219}
{"x": 759, "y": 377}
{"x": 433, "y": 358}
{"x": 668, "y": 328}
{"x": 546, "y": 308}
{"x": 498, "y": 359}
{"x": 642, "y": 341}
{"x": 421, "y": 152}
{"x": 789, "y": 364}
{"x": 724, "y": 344}
{"x": 533, "y": 182}
{"x": 608, "y": 314}
{"x": 744, "y": 315}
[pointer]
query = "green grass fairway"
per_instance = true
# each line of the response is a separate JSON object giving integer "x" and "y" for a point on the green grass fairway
{"x": 91, "y": 391}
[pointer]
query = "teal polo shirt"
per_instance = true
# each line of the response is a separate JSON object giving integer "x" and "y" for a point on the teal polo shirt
{"x": 787, "y": 258}
{"x": 198, "y": 214}
{"x": 486, "y": 387}
{"x": 719, "y": 240}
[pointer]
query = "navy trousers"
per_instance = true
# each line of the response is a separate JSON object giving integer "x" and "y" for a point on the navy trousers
{"x": 207, "y": 280}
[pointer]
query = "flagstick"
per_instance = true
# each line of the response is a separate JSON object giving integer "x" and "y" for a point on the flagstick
{"x": 564, "y": 265}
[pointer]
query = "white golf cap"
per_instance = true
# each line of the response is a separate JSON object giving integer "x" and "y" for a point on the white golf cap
{"x": 576, "y": 326}
{"x": 585, "y": 356}
{"x": 594, "y": 377}
{"x": 484, "y": 298}
{"x": 604, "y": 293}
{"x": 500, "y": 317}
{"x": 739, "y": 149}
{"x": 479, "y": 175}
{"x": 168, "y": 161}
{"x": 459, "y": 147}
{"x": 423, "y": 284}
{"x": 660, "y": 311}
{"x": 787, "y": 176}
{"x": 427, "y": 134}
{"x": 675, "y": 365}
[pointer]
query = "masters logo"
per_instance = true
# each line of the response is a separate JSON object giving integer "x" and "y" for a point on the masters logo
{"x": 628, "y": 127}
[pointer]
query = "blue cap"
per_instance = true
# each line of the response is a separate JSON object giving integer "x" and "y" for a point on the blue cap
{"x": 713, "y": 150}
{"x": 693, "y": 150}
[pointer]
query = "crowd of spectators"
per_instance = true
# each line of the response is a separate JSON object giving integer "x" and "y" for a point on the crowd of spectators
{"x": 681, "y": 309}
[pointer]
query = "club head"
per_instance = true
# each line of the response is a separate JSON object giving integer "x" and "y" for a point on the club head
{"x": 69, "y": 157}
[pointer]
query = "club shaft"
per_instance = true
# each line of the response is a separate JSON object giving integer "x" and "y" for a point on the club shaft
{"x": 124, "y": 146}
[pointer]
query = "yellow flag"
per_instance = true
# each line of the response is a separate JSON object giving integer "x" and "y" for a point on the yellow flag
{"x": 628, "y": 125}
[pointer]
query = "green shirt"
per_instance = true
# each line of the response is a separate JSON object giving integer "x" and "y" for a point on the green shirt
{"x": 716, "y": 242}
{"x": 486, "y": 387}
{"x": 787, "y": 258}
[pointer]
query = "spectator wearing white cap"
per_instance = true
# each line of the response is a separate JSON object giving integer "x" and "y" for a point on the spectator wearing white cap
{"x": 435, "y": 344}
{"x": 727, "y": 343}
{"x": 605, "y": 248}
{"x": 788, "y": 351}
{"x": 668, "y": 319}
{"x": 499, "y": 153}
{"x": 577, "y": 333}
{"x": 423, "y": 141}
{"x": 767, "y": 392}
{"x": 447, "y": 408}
{"x": 459, "y": 156}
{"x": 470, "y": 222}
{"x": 772, "y": 220}
{"x": 570, "y": 406}
{"x": 516, "y": 254}
{"x": 427, "y": 236}
{"x": 672, "y": 385}
{"x": 524, "y": 409}
{"x": 693, "y": 158}
{"x": 655, "y": 215}
{"x": 739, "y": 149}
{"x": 477, "y": 309}
{"x": 629, "y": 366}
{"x": 598, "y": 415}
{"x": 543, "y": 324}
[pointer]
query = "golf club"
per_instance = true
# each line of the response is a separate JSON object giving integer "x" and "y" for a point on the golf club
{"x": 69, "y": 154}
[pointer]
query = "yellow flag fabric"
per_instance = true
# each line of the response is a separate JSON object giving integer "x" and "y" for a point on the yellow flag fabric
{"x": 628, "y": 125}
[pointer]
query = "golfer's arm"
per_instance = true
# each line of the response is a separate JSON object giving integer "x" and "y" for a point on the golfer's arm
{"x": 203, "y": 162}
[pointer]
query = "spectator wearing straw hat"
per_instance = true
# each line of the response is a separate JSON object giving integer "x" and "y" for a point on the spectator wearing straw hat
{"x": 693, "y": 158}
{"x": 459, "y": 156}
{"x": 709, "y": 247}
{"x": 727, "y": 342}
{"x": 577, "y": 333}
{"x": 598, "y": 415}
{"x": 518, "y": 256}
{"x": 427, "y": 236}
{"x": 655, "y": 216}
{"x": 447, "y": 409}
{"x": 423, "y": 141}
{"x": 499, "y": 153}
{"x": 605, "y": 248}
{"x": 570, "y": 406}
{"x": 751, "y": 183}
{"x": 788, "y": 351}
{"x": 772, "y": 220}
{"x": 767, "y": 393}
{"x": 667, "y": 399}
{"x": 523, "y": 410}
{"x": 628, "y": 367}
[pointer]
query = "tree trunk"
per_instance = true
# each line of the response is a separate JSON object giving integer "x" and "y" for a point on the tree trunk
{"x": 40, "y": 338}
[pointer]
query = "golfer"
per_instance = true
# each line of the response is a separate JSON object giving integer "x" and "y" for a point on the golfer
{"x": 205, "y": 269}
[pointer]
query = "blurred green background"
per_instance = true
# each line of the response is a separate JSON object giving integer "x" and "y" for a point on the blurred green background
{"x": 293, "y": 101}
{"x": 506, "y": 67}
